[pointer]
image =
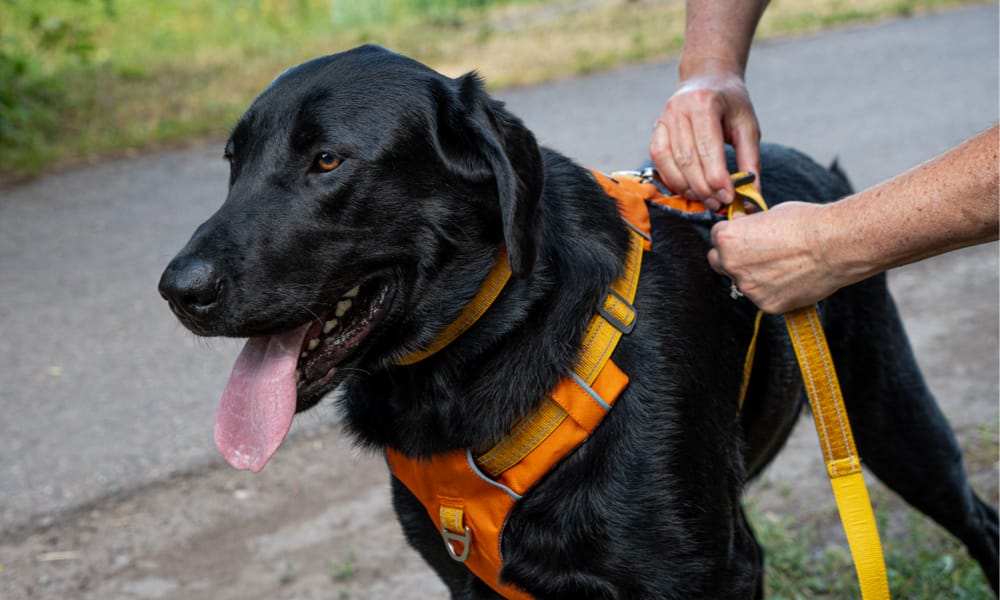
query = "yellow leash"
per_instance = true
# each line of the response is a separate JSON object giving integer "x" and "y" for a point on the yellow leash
{"x": 836, "y": 440}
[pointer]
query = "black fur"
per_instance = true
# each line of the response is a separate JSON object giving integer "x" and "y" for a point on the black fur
{"x": 436, "y": 176}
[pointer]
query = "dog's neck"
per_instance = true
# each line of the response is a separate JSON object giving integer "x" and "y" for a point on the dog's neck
{"x": 488, "y": 292}
{"x": 483, "y": 381}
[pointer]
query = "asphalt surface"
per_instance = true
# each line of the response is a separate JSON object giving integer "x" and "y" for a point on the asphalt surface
{"x": 102, "y": 390}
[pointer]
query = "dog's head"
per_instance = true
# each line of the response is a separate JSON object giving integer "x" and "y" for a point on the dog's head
{"x": 359, "y": 184}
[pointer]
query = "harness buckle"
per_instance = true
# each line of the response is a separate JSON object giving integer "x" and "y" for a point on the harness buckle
{"x": 464, "y": 538}
{"x": 616, "y": 322}
{"x": 647, "y": 175}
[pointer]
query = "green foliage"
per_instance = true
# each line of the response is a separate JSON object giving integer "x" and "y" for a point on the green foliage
{"x": 288, "y": 575}
{"x": 36, "y": 45}
{"x": 84, "y": 78}
{"x": 923, "y": 563}
{"x": 352, "y": 14}
{"x": 345, "y": 570}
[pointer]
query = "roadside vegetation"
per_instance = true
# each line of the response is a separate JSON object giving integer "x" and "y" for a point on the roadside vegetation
{"x": 83, "y": 79}
{"x": 806, "y": 555}
{"x": 923, "y": 562}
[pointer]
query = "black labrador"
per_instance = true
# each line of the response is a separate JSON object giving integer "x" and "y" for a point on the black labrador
{"x": 368, "y": 198}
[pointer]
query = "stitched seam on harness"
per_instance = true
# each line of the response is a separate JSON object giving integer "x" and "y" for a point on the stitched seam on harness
{"x": 502, "y": 457}
{"x": 831, "y": 382}
{"x": 807, "y": 372}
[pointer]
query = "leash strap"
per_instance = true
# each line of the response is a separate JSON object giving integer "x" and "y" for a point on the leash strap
{"x": 836, "y": 440}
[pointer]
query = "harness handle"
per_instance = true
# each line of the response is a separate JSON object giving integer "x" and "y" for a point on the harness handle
{"x": 745, "y": 191}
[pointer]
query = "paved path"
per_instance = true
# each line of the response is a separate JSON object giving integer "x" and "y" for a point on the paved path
{"x": 101, "y": 390}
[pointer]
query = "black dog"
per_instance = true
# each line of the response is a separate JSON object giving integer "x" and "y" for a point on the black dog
{"x": 369, "y": 196}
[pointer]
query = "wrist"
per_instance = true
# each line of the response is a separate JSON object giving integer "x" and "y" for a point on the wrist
{"x": 842, "y": 245}
{"x": 710, "y": 66}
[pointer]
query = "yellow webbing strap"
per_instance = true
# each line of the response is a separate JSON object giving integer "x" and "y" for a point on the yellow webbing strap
{"x": 451, "y": 518}
{"x": 495, "y": 281}
{"x": 748, "y": 360}
{"x": 457, "y": 538}
{"x": 842, "y": 461}
{"x": 602, "y": 334}
{"x": 526, "y": 435}
{"x": 599, "y": 342}
{"x": 836, "y": 440}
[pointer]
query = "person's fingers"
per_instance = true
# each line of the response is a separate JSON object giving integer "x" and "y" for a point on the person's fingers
{"x": 715, "y": 262}
{"x": 745, "y": 137}
{"x": 687, "y": 157}
{"x": 663, "y": 159}
{"x": 718, "y": 231}
{"x": 709, "y": 139}
{"x": 688, "y": 143}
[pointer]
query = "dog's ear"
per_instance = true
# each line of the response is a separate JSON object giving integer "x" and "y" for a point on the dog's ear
{"x": 478, "y": 139}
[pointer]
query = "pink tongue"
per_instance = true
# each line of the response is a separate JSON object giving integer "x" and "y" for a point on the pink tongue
{"x": 258, "y": 404}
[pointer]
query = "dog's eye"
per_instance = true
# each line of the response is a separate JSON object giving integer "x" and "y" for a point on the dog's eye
{"x": 326, "y": 161}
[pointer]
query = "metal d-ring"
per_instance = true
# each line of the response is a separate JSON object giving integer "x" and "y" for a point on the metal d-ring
{"x": 464, "y": 538}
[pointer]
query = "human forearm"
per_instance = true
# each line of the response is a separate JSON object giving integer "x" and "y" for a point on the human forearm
{"x": 717, "y": 35}
{"x": 944, "y": 204}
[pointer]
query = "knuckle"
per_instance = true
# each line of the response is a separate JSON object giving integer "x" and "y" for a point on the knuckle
{"x": 675, "y": 183}
{"x": 705, "y": 148}
{"x": 717, "y": 179}
{"x": 684, "y": 157}
{"x": 659, "y": 149}
{"x": 704, "y": 96}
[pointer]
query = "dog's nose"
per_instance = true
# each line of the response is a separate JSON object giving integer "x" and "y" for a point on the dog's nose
{"x": 191, "y": 285}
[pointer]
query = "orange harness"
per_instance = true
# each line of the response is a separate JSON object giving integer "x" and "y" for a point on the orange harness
{"x": 470, "y": 497}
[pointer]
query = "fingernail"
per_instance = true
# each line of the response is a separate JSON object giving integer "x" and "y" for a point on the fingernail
{"x": 723, "y": 196}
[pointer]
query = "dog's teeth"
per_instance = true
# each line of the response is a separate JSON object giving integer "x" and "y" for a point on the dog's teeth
{"x": 304, "y": 355}
{"x": 342, "y": 307}
{"x": 298, "y": 375}
{"x": 353, "y": 292}
{"x": 329, "y": 325}
{"x": 313, "y": 344}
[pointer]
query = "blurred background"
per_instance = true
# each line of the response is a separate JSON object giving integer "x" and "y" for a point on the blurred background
{"x": 112, "y": 119}
{"x": 86, "y": 78}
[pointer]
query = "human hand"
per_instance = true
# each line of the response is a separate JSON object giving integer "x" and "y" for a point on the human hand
{"x": 705, "y": 112}
{"x": 776, "y": 258}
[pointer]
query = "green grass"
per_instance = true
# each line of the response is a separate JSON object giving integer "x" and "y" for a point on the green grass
{"x": 345, "y": 570}
{"x": 923, "y": 563}
{"x": 89, "y": 78}
{"x": 806, "y": 555}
